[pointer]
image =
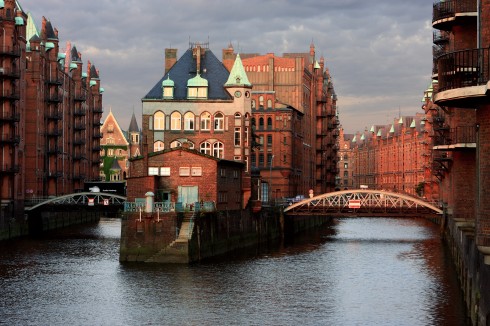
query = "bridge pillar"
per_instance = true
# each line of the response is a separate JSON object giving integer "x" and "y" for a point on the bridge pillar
{"x": 149, "y": 202}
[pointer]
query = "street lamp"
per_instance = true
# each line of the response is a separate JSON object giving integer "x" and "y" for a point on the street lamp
{"x": 270, "y": 179}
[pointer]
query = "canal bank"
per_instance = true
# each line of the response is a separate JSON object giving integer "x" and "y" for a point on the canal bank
{"x": 185, "y": 237}
{"x": 473, "y": 271}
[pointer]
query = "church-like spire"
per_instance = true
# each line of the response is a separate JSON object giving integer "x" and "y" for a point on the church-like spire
{"x": 133, "y": 125}
{"x": 238, "y": 77}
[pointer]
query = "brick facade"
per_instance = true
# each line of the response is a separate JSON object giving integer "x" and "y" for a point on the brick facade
{"x": 51, "y": 116}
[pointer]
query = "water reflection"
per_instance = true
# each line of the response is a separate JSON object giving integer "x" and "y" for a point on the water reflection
{"x": 353, "y": 272}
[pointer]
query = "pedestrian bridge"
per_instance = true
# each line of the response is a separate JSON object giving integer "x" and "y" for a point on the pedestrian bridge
{"x": 363, "y": 202}
{"x": 89, "y": 199}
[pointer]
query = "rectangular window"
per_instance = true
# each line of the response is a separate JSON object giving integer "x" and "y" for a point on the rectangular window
{"x": 152, "y": 171}
{"x": 165, "y": 171}
{"x": 246, "y": 137}
{"x": 238, "y": 136}
{"x": 196, "y": 171}
{"x": 235, "y": 174}
{"x": 261, "y": 159}
{"x": 346, "y": 165}
{"x": 184, "y": 171}
{"x": 269, "y": 140}
{"x": 222, "y": 172}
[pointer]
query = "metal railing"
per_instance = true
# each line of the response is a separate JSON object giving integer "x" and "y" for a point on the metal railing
{"x": 458, "y": 135}
{"x": 448, "y": 9}
{"x": 464, "y": 69}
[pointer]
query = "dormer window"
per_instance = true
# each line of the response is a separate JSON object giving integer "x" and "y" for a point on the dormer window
{"x": 168, "y": 88}
{"x": 197, "y": 88}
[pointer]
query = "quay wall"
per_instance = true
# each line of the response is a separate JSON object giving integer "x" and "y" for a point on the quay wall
{"x": 145, "y": 239}
{"x": 473, "y": 271}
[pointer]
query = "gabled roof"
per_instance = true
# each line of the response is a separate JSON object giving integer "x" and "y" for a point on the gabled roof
{"x": 184, "y": 69}
{"x": 112, "y": 119}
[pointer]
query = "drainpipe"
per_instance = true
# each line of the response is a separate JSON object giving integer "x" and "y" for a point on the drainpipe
{"x": 478, "y": 24}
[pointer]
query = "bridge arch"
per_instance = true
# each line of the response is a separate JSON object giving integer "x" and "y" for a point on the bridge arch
{"x": 363, "y": 201}
{"x": 82, "y": 198}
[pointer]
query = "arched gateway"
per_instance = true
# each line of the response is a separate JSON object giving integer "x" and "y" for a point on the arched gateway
{"x": 363, "y": 202}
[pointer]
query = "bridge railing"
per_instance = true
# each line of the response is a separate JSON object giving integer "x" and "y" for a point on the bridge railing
{"x": 166, "y": 207}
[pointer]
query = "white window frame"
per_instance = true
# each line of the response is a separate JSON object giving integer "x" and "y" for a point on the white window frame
{"x": 176, "y": 121}
{"x": 184, "y": 171}
{"x": 159, "y": 121}
{"x": 219, "y": 121}
{"x": 152, "y": 170}
{"x": 206, "y": 121}
{"x": 165, "y": 171}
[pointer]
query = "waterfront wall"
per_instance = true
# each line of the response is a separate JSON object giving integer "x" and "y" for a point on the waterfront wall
{"x": 473, "y": 272}
{"x": 189, "y": 237}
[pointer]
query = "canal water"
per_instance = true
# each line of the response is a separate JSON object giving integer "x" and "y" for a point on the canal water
{"x": 358, "y": 271}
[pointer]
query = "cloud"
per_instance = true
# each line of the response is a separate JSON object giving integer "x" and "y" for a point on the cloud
{"x": 378, "y": 52}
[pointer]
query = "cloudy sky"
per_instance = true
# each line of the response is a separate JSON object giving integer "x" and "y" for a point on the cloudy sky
{"x": 378, "y": 52}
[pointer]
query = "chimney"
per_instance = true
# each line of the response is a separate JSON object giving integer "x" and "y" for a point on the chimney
{"x": 170, "y": 58}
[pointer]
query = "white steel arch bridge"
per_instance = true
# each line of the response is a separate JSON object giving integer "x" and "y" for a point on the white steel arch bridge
{"x": 96, "y": 199}
{"x": 363, "y": 202}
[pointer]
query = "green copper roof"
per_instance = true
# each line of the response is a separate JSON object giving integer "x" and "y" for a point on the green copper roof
{"x": 354, "y": 139}
{"x": 197, "y": 81}
{"x": 73, "y": 66}
{"x": 392, "y": 129}
{"x": 84, "y": 74}
{"x": 379, "y": 133}
{"x": 2, "y": 4}
{"x": 316, "y": 66}
{"x": 401, "y": 120}
{"x": 93, "y": 83}
{"x": 412, "y": 125}
{"x": 169, "y": 82}
{"x": 19, "y": 21}
{"x": 101, "y": 90}
{"x": 372, "y": 129}
{"x": 49, "y": 46}
{"x": 362, "y": 137}
{"x": 237, "y": 77}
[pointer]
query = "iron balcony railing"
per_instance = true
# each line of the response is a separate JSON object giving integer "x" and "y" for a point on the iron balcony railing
{"x": 458, "y": 135}
{"x": 464, "y": 68}
{"x": 448, "y": 9}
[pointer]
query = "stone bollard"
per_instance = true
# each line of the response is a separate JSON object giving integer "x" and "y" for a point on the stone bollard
{"x": 149, "y": 202}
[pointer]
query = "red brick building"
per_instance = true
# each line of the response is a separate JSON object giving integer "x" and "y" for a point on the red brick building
{"x": 187, "y": 176}
{"x": 396, "y": 157}
{"x": 200, "y": 105}
{"x": 299, "y": 153}
{"x": 459, "y": 104}
{"x": 51, "y": 114}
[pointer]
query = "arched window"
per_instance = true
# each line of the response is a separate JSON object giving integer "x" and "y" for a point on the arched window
{"x": 159, "y": 121}
{"x": 269, "y": 123}
{"x": 205, "y": 148}
{"x": 219, "y": 121}
{"x": 189, "y": 144}
{"x": 189, "y": 121}
{"x": 261, "y": 123}
{"x": 269, "y": 104}
{"x": 261, "y": 101}
{"x": 205, "y": 121}
{"x": 218, "y": 149}
{"x": 238, "y": 115}
{"x": 175, "y": 121}
{"x": 175, "y": 143}
{"x": 158, "y": 146}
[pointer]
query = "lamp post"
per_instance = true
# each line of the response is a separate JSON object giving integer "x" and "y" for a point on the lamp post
{"x": 270, "y": 179}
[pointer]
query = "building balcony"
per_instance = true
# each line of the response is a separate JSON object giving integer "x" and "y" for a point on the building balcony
{"x": 98, "y": 110}
{"x": 447, "y": 13}
{"x": 463, "y": 78}
{"x": 9, "y": 168}
{"x": 54, "y": 116}
{"x": 54, "y": 81}
{"x": 79, "y": 112}
{"x": 13, "y": 96}
{"x": 9, "y": 116}
{"x": 9, "y": 139}
{"x": 463, "y": 137}
{"x": 54, "y": 133}
{"x": 13, "y": 51}
{"x": 440, "y": 37}
{"x": 54, "y": 98}
{"x": 79, "y": 126}
{"x": 10, "y": 73}
{"x": 54, "y": 151}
